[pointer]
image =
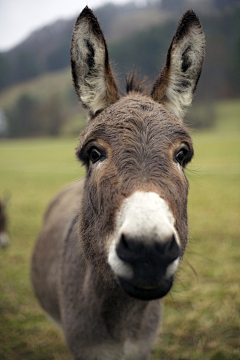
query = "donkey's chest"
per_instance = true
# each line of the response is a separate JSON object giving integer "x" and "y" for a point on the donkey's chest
{"x": 128, "y": 350}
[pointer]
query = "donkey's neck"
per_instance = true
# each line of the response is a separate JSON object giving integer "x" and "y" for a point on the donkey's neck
{"x": 122, "y": 316}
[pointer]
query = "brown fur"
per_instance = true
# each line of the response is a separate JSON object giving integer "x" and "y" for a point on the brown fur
{"x": 137, "y": 132}
{"x": 138, "y": 139}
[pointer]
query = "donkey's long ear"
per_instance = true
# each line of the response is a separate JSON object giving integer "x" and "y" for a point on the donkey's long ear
{"x": 91, "y": 72}
{"x": 178, "y": 80}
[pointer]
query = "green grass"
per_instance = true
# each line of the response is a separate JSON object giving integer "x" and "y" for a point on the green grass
{"x": 201, "y": 314}
{"x": 32, "y": 170}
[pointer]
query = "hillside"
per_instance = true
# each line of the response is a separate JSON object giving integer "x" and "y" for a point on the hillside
{"x": 146, "y": 50}
{"x": 47, "y": 49}
{"x": 41, "y": 99}
{"x": 46, "y": 104}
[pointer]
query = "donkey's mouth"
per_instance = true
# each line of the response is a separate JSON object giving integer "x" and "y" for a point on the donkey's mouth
{"x": 147, "y": 292}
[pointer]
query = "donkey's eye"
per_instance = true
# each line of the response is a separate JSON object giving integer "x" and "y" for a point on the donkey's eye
{"x": 94, "y": 154}
{"x": 181, "y": 156}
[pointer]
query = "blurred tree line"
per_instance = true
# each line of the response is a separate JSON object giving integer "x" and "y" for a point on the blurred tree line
{"x": 30, "y": 116}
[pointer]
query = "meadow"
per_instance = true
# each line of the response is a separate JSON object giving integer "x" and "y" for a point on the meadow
{"x": 202, "y": 312}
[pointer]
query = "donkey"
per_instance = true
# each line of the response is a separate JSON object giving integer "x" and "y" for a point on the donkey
{"x": 111, "y": 243}
{"x": 4, "y": 237}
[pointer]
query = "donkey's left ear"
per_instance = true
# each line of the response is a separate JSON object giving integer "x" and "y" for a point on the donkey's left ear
{"x": 178, "y": 80}
{"x": 91, "y": 72}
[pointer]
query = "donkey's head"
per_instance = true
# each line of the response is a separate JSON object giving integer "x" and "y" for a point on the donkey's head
{"x": 135, "y": 149}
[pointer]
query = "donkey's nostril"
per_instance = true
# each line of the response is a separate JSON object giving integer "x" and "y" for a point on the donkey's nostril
{"x": 122, "y": 248}
{"x": 168, "y": 249}
{"x": 126, "y": 248}
{"x": 172, "y": 250}
{"x": 141, "y": 250}
{"x": 123, "y": 243}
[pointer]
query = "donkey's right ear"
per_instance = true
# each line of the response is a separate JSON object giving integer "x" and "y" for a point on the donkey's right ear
{"x": 91, "y": 71}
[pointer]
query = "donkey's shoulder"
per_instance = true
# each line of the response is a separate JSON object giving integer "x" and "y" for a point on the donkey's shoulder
{"x": 66, "y": 201}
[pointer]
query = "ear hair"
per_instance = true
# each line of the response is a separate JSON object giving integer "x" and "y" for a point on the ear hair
{"x": 91, "y": 71}
{"x": 178, "y": 80}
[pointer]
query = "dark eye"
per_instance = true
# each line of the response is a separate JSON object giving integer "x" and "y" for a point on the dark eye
{"x": 94, "y": 154}
{"x": 181, "y": 156}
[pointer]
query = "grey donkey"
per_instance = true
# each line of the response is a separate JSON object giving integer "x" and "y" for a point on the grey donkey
{"x": 111, "y": 243}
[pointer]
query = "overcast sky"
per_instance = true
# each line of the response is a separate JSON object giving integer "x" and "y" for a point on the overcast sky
{"x": 18, "y": 18}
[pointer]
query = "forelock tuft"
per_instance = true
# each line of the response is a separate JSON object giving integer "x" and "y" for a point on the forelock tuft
{"x": 136, "y": 84}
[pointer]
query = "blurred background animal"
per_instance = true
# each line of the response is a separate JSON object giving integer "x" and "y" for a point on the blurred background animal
{"x": 4, "y": 237}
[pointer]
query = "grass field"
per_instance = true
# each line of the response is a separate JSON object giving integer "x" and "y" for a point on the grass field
{"x": 202, "y": 312}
